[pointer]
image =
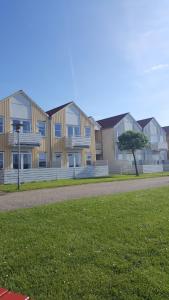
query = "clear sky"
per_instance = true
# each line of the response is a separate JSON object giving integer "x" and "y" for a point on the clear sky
{"x": 109, "y": 56}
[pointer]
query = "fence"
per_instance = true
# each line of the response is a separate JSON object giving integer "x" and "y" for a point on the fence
{"x": 141, "y": 168}
{"x": 46, "y": 174}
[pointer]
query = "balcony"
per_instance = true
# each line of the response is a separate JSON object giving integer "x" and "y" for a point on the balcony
{"x": 98, "y": 148}
{"x": 159, "y": 146}
{"x": 29, "y": 139}
{"x": 77, "y": 142}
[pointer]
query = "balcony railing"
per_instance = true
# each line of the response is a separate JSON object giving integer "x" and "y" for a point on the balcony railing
{"x": 26, "y": 139}
{"x": 159, "y": 146}
{"x": 98, "y": 148}
{"x": 77, "y": 142}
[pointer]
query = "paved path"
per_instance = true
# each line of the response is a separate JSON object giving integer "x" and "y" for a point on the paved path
{"x": 11, "y": 201}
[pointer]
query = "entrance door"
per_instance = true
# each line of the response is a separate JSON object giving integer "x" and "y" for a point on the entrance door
{"x": 58, "y": 160}
{"x": 74, "y": 160}
{"x": 25, "y": 160}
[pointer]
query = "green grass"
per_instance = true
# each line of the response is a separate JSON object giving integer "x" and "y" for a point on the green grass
{"x": 111, "y": 247}
{"x": 69, "y": 182}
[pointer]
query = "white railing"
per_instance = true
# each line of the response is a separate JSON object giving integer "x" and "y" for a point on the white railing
{"x": 101, "y": 163}
{"x": 26, "y": 139}
{"x": 159, "y": 146}
{"x": 77, "y": 142}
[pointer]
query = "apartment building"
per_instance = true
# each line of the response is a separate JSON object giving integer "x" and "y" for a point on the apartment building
{"x": 34, "y": 143}
{"x": 72, "y": 137}
{"x": 156, "y": 153}
{"x": 62, "y": 137}
{"x": 107, "y": 140}
{"x": 166, "y": 128}
{"x": 108, "y": 130}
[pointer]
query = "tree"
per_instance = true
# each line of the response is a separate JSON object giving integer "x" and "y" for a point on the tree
{"x": 132, "y": 141}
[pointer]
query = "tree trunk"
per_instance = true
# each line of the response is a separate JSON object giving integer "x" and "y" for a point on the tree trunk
{"x": 135, "y": 163}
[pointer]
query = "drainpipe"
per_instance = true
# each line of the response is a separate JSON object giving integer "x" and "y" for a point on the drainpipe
{"x": 50, "y": 141}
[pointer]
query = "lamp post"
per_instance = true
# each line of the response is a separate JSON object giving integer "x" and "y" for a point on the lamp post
{"x": 18, "y": 127}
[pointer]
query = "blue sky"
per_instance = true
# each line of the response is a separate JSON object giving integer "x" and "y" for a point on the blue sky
{"x": 109, "y": 56}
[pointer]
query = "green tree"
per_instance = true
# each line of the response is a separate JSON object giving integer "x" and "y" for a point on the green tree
{"x": 132, "y": 141}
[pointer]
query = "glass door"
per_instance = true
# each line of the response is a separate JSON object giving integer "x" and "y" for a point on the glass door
{"x": 25, "y": 160}
{"x": 74, "y": 160}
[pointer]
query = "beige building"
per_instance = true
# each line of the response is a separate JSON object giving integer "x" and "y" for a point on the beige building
{"x": 62, "y": 137}
{"x": 166, "y": 128}
{"x": 72, "y": 137}
{"x": 107, "y": 140}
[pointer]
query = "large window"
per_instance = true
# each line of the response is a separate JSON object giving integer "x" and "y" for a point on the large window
{"x": 25, "y": 125}
{"x": 42, "y": 160}
{"x": 1, "y": 160}
{"x": 1, "y": 124}
{"x": 58, "y": 130}
{"x": 25, "y": 160}
{"x": 87, "y": 132}
{"x": 73, "y": 130}
{"x": 74, "y": 160}
{"x": 42, "y": 127}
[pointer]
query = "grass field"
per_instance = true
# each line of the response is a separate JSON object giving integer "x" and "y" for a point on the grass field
{"x": 111, "y": 247}
{"x": 69, "y": 182}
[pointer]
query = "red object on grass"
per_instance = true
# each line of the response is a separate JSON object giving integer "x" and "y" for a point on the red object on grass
{"x": 6, "y": 295}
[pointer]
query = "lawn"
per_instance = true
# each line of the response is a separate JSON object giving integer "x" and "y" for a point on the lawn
{"x": 111, "y": 247}
{"x": 69, "y": 182}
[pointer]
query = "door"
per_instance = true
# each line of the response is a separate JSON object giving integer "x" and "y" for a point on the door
{"x": 25, "y": 160}
{"x": 58, "y": 161}
{"x": 74, "y": 160}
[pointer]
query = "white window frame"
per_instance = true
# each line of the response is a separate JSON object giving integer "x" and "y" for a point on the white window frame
{"x": 88, "y": 154}
{"x": 57, "y": 123}
{"x": 3, "y": 123}
{"x": 87, "y": 127}
{"x": 1, "y": 152}
{"x": 74, "y": 159}
{"x": 43, "y": 122}
{"x": 21, "y": 159}
{"x": 73, "y": 127}
{"x": 21, "y": 122}
{"x": 39, "y": 160}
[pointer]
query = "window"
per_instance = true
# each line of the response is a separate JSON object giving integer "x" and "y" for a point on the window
{"x": 25, "y": 160}
{"x": 1, "y": 124}
{"x": 58, "y": 160}
{"x": 15, "y": 123}
{"x": 74, "y": 160}
{"x": 26, "y": 126}
{"x": 88, "y": 159}
{"x": 73, "y": 130}
{"x": 42, "y": 160}
{"x": 70, "y": 131}
{"x": 42, "y": 127}
{"x": 87, "y": 132}
{"x": 58, "y": 130}
{"x": 77, "y": 131}
{"x": 1, "y": 160}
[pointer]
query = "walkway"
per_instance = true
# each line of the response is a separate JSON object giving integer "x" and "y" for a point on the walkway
{"x": 11, "y": 201}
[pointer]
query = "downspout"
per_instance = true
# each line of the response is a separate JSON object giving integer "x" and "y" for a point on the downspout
{"x": 50, "y": 141}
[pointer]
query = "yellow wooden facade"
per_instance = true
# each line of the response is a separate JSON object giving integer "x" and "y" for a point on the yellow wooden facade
{"x": 49, "y": 144}
{"x": 58, "y": 144}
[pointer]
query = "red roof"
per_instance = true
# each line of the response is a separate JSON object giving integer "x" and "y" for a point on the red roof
{"x": 144, "y": 122}
{"x": 112, "y": 121}
{"x": 56, "y": 109}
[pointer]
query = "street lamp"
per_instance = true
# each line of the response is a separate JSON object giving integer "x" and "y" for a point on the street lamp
{"x": 17, "y": 129}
